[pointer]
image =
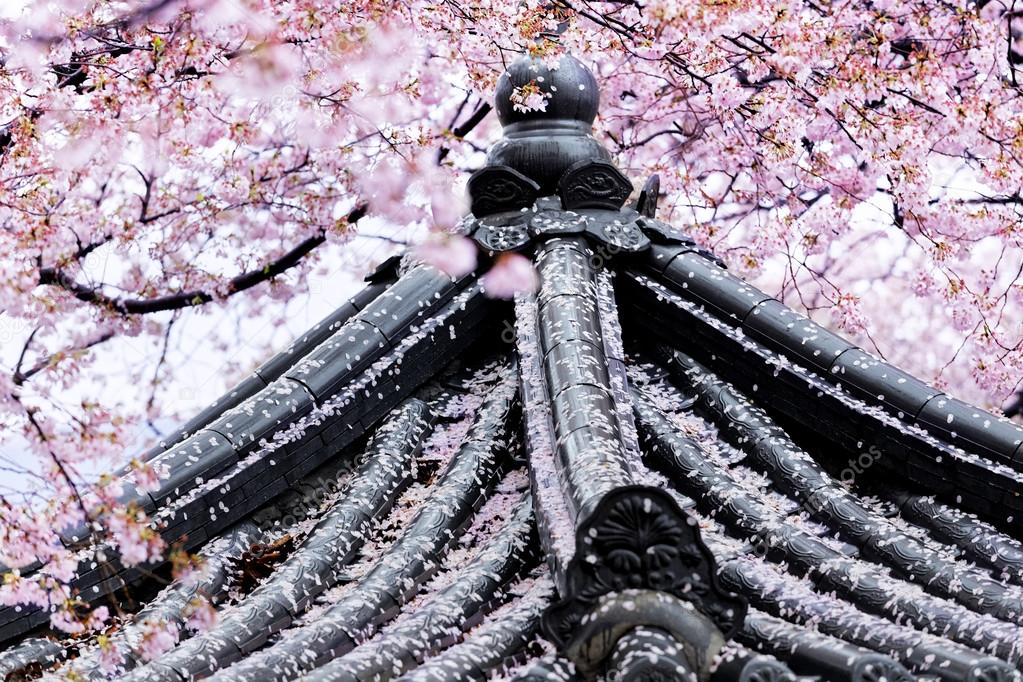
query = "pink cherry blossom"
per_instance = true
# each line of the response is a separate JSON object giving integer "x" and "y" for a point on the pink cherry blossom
{"x": 848, "y": 315}
{"x": 147, "y": 475}
{"x": 137, "y": 541}
{"x": 158, "y": 636}
{"x": 859, "y": 161}
{"x": 111, "y": 657}
{"x": 511, "y": 274}
{"x": 451, "y": 254}
{"x": 529, "y": 98}
{"x": 202, "y": 616}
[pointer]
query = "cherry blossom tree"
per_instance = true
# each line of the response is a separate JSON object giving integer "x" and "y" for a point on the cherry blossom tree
{"x": 165, "y": 163}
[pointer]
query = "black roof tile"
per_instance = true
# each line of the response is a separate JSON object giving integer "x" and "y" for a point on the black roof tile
{"x": 727, "y": 451}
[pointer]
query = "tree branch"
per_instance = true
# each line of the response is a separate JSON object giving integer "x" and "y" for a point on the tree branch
{"x": 458, "y": 132}
{"x": 186, "y": 299}
{"x": 20, "y": 377}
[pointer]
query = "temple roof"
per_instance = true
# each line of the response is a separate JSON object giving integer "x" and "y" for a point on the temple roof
{"x": 647, "y": 469}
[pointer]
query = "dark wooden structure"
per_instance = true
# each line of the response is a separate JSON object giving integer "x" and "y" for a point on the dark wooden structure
{"x": 646, "y": 470}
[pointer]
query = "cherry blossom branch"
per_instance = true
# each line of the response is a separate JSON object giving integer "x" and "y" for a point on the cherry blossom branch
{"x": 151, "y": 401}
{"x": 458, "y": 132}
{"x": 30, "y": 413}
{"x": 20, "y": 377}
{"x": 188, "y": 299}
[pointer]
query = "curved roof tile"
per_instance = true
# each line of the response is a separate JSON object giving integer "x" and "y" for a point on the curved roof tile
{"x": 647, "y": 469}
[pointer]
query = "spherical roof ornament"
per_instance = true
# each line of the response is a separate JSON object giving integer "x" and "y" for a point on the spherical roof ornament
{"x": 547, "y": 109}
{"x": 569, "y": 91}
{"x": 548, "y": 176}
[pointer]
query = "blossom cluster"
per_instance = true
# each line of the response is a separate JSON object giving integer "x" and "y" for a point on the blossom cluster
{"x": 162, "y": 160}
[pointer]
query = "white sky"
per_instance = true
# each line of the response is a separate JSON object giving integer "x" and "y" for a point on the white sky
{"x": 11, "y": 8}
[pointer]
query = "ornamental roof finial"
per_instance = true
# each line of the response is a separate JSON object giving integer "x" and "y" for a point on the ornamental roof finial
{"x": 548, "y": 177}
{"x": 543, "y": 143}
{"x": 569, "y": 90}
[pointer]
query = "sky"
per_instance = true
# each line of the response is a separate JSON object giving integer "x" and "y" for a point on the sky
{"x": 11, "y": 8}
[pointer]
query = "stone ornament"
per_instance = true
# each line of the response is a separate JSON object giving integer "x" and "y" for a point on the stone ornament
{"x": 593, "y": 184}
{"x": 499, "y": 188}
